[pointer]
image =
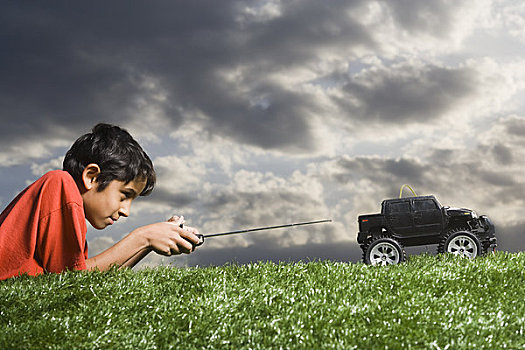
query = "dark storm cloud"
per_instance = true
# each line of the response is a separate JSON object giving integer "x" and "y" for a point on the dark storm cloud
{"x": 515, "y": 126}
{"x": 449, "y": 171}
{"x": 381, "y": 170}
{"x": 340, "y": 251}
{"x": 305, "y": 29}
{"x": 168, "y": 199}
{"x": 502, "y": 154}
{"x": 496, "y": 178}
{"x": 432, "y": 17}
{"x": 70, "y": 65}
{"x": 510, "y": 238}
{"x": 407, "y": 93}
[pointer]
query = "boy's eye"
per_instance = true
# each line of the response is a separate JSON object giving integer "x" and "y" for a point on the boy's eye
{"x": 128, "y": 194}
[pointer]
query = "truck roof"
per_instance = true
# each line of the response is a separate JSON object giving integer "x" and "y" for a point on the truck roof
{"x": 410, "y": 198}
{"x": 407, "y": 199}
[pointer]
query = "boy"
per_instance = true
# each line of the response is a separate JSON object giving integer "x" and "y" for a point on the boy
{"x": 44, "y": 228}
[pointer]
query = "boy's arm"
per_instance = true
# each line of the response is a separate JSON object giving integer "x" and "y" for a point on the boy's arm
{"x": 165, "y": 238}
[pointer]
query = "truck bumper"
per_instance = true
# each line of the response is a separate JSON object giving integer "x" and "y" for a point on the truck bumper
{"x": 362, "y": 237}
{"x": 490, "y": 231}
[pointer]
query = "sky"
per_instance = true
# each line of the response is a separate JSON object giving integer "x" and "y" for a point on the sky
{"x": 261, "y": 113}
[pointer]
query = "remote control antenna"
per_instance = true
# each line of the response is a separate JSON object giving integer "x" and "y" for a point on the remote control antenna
{"x": 201, "y": 236}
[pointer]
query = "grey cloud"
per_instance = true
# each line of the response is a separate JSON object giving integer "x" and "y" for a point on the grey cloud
{"x": 440, "y": 156}
{"x": 381, "y": 170}
{"x": 437, "y": 176}
{"x": 60, "y": 73}
{"x": 280, "y": 122}
{"x": 70, "y": 65}
{"x": 343, "y": 252}
{"x": 502, "y": 154}
{"x": 268, "y": 208}
{"x": 408, "y": 93}
{"x": 496, "y": 178}
{"x": 405, "y": 168}
{"x": 169, "y": 199}
{"x": 220, "y": 200}
{"x": 305, "y": 29}
{"x": 99, "y": 244}
{"x": 515, "y": 126}
{"x": 510, "y": 238}
{"x": 258, "y": 208}
{"x": 432, "y": 17}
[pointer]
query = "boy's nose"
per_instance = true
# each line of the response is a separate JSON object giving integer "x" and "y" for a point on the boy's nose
{"x": 124, "y": 211}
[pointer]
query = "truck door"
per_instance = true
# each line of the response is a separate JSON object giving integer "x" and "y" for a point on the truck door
{"x": 427, "y": 216}
{"x": 399, "y": 216}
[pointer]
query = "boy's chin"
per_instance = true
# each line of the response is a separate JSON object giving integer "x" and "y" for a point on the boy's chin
{"x": 98, "y": 225}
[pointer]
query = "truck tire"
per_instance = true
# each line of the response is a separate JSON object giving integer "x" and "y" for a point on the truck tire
{"x": 383, "y": 251}
{"x": 461, "y": 242}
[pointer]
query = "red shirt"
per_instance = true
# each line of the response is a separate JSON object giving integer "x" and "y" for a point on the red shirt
{"x": 44, "y": 228}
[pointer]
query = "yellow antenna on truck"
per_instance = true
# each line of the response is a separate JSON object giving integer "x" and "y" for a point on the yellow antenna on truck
{"x": 410, "y": 188}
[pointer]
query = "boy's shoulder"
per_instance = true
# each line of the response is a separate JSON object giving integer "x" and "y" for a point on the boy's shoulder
{"x": 57, "y": 175}
{"x": 58, "y": 181}
{"x": 58, "y": 178}
{"x": 54, "y": 190}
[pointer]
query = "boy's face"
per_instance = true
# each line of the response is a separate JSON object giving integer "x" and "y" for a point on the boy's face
{"x": 107, "y": 206}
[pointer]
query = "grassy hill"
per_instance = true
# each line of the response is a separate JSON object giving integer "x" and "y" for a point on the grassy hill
{"x": 430, "y": 302}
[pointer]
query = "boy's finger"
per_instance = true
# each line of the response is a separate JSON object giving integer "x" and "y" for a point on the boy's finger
{"x": 190, "y": 237}
{"x": 174, "y": 250}
{"x": 186, "y": 246}
{"x": 177, "y": 220}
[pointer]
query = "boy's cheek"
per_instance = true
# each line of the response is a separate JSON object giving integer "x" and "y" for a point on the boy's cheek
{"x": 92, "y": 220}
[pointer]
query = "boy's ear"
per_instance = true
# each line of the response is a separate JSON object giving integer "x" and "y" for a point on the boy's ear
{"x": 89, "y": 175}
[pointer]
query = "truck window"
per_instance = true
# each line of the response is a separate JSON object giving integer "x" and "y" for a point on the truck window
{"x": 399, "y": 207}
{"x": 424, "y": 205}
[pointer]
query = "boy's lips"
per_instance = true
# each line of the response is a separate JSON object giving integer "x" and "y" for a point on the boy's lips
{"x": 112, "y": 220}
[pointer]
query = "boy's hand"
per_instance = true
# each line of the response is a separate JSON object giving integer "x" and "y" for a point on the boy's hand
{"x": 169, "y": 238}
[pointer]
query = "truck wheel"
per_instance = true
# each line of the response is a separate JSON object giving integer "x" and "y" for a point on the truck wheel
{"x": 384, "y": 251}
{"x": 461, "y": 242}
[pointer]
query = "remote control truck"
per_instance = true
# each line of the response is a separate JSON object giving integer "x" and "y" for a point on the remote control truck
{"x": 422, "y": 220}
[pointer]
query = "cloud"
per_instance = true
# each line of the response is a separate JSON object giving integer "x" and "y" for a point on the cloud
{"x": 243, "y": 68}
{"x": 263, "y": 199}
{"x": 438, "y": 18}
{"x": 99, "y": 244}
{"x": 344, "y": 252}
{"x": 39, "y": 169}
{"x": 406, "y": 93}
{"x": 513, "y": 18}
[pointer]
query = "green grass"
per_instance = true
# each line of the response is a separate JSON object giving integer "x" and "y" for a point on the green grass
{"x": 430, "y": 302}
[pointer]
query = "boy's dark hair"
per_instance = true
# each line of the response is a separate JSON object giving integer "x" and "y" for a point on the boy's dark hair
{"x": 117, "y": 154}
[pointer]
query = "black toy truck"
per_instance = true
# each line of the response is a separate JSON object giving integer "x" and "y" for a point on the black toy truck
{"x": 421, "y": 220}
